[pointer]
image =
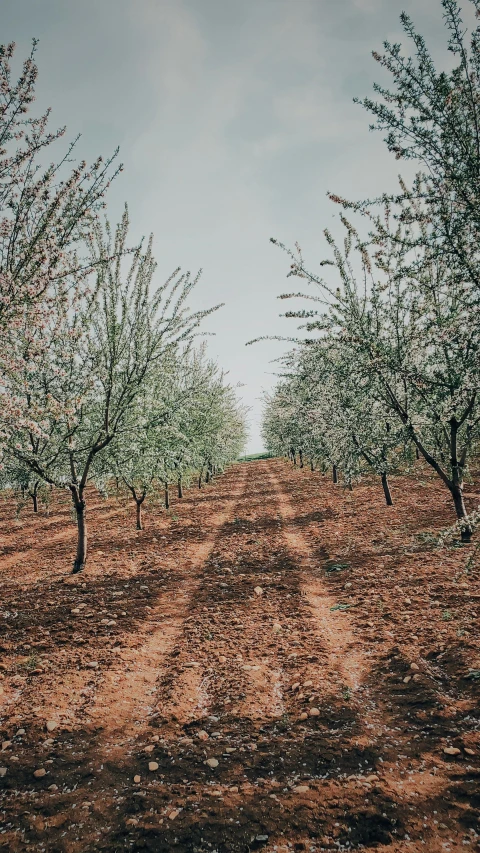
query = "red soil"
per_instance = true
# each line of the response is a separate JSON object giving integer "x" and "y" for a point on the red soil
{"x": 214, "y": 634}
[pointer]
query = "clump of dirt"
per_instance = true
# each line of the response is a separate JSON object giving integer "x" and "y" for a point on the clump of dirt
{"x": 275, "y": 664}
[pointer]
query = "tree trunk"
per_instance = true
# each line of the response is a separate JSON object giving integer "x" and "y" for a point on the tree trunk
{"x": 350, "y": 487}
{"x": 167, "y": 497}
{"x": 180, "y": 488}
{"x": 300, "y": 456}
{"x": 34, "y": 496}
{"x": 312, "y": 465}
{"x": 334, "y": 474}
{"x": 207, "y": 476}
{"x": 200, "y": 480}
{"x": 386, "y": 490}
{"x": 457, "y": 495}
{"x": 79, "y": 504}
{"x": 417, "y": 453}
{"x": 139, "y": 502}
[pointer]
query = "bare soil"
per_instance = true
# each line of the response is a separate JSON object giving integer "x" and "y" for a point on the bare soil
{"x": 313, "y": 645}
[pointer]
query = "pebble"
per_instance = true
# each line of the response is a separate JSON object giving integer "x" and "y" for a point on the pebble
{"x": 304, "y": 715}
{"x": 314, "y": 712}
{"x": 53, "y": 787}
{"x": 212, "y": 762}
{"x": 40, "y": 773}
{"x": 137, "y": 779}
{"x": 92, "y": 665}
{"x": 451, "y": 750}
{"x": 407, "y": 679}
{"x": 468, "y": 751}
{"x": 202, "y": 735}
{"x": 3, "y": 771}
{"x": 301, "y": 789}
{"x": 20, "y": 732}
{"x": 149, "y": 748}
{"x": 308, "y": 684}
{"x": 6, "y": 744}
{"x": 51, "y": 725}
{"x": 174, "y": 814}
{"x": 152, "y": 765}
{"x": 414, "y": 666}
{"x": 258, "y": 590}
{"x": 277, "y": 628}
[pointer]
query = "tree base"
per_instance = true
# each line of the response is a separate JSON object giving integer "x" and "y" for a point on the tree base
{"x": 77, "y": 567}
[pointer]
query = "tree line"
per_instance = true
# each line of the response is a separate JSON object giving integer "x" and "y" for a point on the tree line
{"x": 390, "y": 369}
{"x": 101, "y": 377}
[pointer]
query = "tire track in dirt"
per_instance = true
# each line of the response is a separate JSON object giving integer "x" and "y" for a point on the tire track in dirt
{"x": 124, "y": 701}
{"x": 344, "y": 658}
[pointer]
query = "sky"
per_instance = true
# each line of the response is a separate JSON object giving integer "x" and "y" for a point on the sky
{"x": 234, "y": 119}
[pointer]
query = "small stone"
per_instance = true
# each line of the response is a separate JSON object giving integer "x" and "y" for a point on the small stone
{"x": 152, "y": 765}
{"x": 51, "y": 725}
{"x": 3, "y": 771}
{"x": 20, "y": 733}
{"x": 416, "y": 677}
{"x": 301, "y": 789}
{"x": 230, "y": 749}
{"x": 75, "y": 610}
{"x": 234, "y": 789}
{"x": 174, "y": 814}
{"x": 451, "y": 750}
{"x": 217, "y": 794}
{"x": 92, "y": 665}
{"x": 132, "y": 821}
{"x": 372, "y": 778}
{"x": 314, "y": 712}
{"x": 304, "y": 715}
{"x": 40, "y": 773}
{"x": 414, "y": 666}
{"x": 212, "y": 762}
{"x": 136, "y": 779}
{"x": 407, "y": 601}
{"x": 468, "y": 751}
{"x": 202, "y": 735}
{"x": 53, "y": 787}
{"x": 258, "y": 590}
{"x": 6, "y": 744}
{"x": 149, "y": 748}
{"x": 407, "y": 679}
{"x": 277, "y": 628}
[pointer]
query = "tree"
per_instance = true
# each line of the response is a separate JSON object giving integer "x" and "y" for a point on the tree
{"x": 433, "y": 117}
{"x": 45, "y": 212}
{"x": 408, "y": 324}
{"x": 103, "y": 344}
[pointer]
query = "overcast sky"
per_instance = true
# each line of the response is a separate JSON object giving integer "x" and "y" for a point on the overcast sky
{"x": 234, "y": 118}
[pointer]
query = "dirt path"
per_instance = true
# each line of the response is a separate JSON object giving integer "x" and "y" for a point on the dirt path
{"x": 274, "y": 719}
